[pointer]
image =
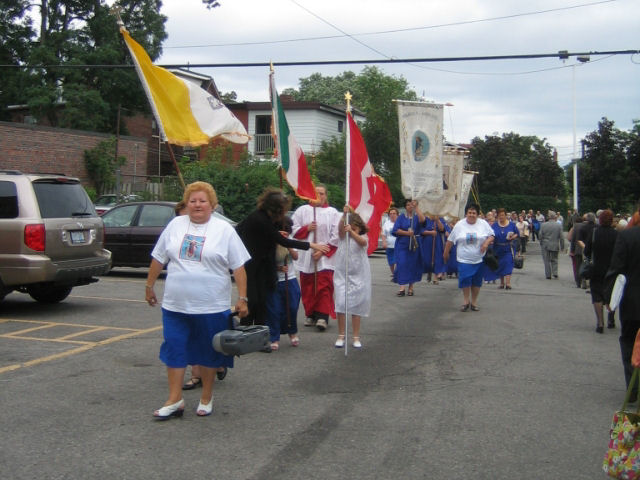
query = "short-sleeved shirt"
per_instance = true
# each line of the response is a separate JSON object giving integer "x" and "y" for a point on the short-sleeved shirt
{"x": 468, "y": 238}
{"x": 199, "y": 258}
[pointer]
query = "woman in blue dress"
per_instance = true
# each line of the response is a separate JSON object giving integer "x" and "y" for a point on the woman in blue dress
{"x": 442, "y": 232}
{"x": 505, "y": 233}
{"x": 407, "y": 251}
{"x": 432, "y": 240}
{"x": 427, "y": 235}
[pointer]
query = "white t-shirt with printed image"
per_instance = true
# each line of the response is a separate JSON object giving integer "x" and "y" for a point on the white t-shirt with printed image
{"x": 468, "y": 239}
{"x": 198, "y": 258}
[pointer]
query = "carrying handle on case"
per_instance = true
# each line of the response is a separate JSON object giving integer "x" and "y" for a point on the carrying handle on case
{"x": 632, "y": 383}
{"x": 231, "y": 315}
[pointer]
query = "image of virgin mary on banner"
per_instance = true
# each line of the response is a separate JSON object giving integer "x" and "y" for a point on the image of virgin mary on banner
{"x": 420, "y": 127}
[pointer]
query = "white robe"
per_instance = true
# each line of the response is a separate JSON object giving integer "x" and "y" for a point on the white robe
{"x": 359, "y": 288}
{"x": 327, "y": 219}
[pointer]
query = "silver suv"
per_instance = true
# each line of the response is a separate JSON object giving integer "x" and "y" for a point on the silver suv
{"x": 51, "y": 238}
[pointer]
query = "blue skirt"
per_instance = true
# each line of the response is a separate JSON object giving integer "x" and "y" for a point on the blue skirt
{"x": 188, "y": 339}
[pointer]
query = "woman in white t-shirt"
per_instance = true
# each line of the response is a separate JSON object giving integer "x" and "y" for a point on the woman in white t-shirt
{"x": 471, "y": 236}
{"x": 199, "y": 250}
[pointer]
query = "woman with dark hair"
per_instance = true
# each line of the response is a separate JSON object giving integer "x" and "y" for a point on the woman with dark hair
{"x": 407, "y": 251}
{"x": 505, "y": 232}
{"x": 599, "y": 248}
{"x": 472, "y": 236}
{"x": 260, "y": 234}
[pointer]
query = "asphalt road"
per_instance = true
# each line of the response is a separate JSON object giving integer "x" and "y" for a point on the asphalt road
{"x": 522, "y": 389}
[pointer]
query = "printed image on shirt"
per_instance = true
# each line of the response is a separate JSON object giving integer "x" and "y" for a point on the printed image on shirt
{"x": 472, "y": 238}
{"x": 191, "y": 248}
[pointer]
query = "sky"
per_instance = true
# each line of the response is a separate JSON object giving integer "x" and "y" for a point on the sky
{"x": 528, "y": 97}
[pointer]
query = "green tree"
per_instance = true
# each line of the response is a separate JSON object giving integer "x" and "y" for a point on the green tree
{"x": 608, "y": 174}
{"x": 16, "y": 33}
{"x": 77, "y": 32}
{"x": 101, "y": 164}
{"x": 516, "y": 165}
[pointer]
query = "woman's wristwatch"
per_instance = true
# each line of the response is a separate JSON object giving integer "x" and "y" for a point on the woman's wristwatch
{"x": 245, "y": 299}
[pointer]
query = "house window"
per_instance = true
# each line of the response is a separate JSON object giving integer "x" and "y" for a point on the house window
{"x": 340, "y": 126}
{"x": 262, "y": 138}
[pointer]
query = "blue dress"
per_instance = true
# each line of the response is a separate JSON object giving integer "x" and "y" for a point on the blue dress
{"x": 408, "y": 265}
{"x": 440, "y": 239}
{"x": 426, "y": 245}
{"x": 503, "y": 248}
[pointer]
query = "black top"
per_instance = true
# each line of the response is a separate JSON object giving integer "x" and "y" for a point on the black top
{"x": 600, "y": 249}
{"x": 260, "y": 236}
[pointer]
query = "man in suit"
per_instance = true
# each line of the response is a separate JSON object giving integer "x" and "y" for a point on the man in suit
{"x": 626, "y": 260}
{"x": 551, "y": 242}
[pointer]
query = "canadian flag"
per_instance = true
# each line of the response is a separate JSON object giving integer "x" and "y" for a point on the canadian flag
{"x": 369, "y": 194}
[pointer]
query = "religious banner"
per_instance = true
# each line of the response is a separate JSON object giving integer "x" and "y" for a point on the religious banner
{"x": 420, "y": 128}
{"x": 451, "y": 183}
{"x": 467, "y": 181}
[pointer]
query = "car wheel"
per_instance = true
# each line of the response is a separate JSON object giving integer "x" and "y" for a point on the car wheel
{"x": 48, "y": 293}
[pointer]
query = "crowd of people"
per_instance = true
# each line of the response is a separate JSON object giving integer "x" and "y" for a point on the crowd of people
{"x": 267, "y": 251}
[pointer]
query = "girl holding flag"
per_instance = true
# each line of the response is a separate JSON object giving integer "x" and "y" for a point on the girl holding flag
{"x": 355, "y": 284}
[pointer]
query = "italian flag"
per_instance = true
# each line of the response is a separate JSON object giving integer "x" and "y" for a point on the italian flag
{"x": 289, "y": 153}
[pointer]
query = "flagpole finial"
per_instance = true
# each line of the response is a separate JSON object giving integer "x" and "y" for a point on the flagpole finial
{"x": 115, "y": 10}
{"x": 348, "y": 98}
{"x": 271, "y": 66}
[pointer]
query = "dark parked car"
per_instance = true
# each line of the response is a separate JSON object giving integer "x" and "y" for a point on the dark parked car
{"x": 104, "y": 203}
{"x": 132, "y": 230}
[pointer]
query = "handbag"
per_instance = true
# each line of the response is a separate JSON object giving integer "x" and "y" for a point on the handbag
{"x": 622, "y": 459}
{"x": 491, "y": 261}
{"x": 586, "y": 268}
{"x": 518, "y": 261}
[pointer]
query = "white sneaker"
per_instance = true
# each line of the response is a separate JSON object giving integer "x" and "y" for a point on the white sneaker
{"x": 356, "y": 342}
{"x": 321, "y": 324}
{"x": 309, "y": 322}
{"x": 340, "y": 341}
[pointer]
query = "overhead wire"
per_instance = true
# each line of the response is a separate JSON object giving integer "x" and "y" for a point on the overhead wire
{"x": 397, "y": 30}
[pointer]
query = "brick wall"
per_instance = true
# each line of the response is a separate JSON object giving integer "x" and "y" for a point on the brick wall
{"x": 35, "y": 148}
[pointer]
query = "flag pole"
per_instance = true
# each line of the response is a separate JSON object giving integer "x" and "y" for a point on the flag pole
{"x": 348, "y": 98}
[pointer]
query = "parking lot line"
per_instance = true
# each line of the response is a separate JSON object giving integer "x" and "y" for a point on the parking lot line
{"x": 82, "y": 346}
{"x": 108, "y": 298}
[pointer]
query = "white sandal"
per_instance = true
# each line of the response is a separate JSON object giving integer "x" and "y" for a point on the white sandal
{"x": 340, "y": 341}
{"x": 356, "y": 342}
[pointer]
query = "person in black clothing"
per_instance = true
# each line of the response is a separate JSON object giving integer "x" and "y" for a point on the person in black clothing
{"x": 260, "y": 234}
{"x": 599, "y": 248}
{"x": 626, "y": 260}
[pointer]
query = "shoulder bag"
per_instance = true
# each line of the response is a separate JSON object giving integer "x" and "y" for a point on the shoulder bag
{"x": 622, "y": 459}
{"x": 490, "y": 260}
{"x": 586, "y": 267}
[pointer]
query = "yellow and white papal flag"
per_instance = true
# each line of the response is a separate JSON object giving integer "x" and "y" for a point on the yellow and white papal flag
{"x": 187, "y": 114}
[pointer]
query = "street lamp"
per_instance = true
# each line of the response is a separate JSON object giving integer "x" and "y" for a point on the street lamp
{"x": 574, "y": 159}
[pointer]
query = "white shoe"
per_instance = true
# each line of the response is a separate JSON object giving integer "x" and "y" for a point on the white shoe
{"x": 168, "y": 411}
{"x": 309, "y": 322}
{"x": 340, "y": 341}
{"x": 356, "y": 342}
{"x": 321, "y": 324}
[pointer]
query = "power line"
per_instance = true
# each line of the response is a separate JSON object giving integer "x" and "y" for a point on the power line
{"x": 397, "y": 30}
{"x": 561, "y": 55}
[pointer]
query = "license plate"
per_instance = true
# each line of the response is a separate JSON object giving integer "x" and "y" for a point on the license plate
{"x": 77, "y": 237}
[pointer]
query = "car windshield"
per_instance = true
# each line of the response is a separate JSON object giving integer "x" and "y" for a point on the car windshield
{"x": 62, "y": 199}
{"x": 105, "y": 200}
